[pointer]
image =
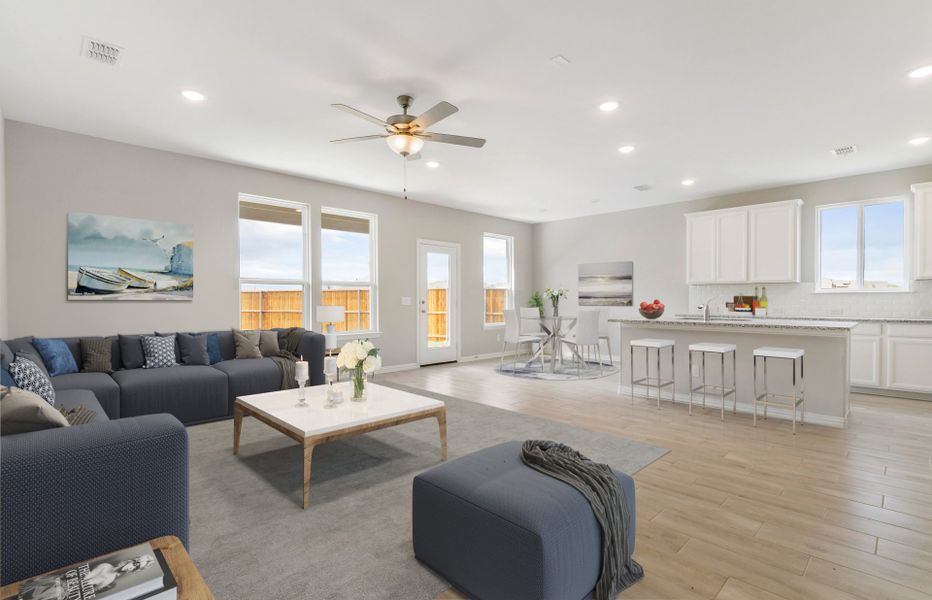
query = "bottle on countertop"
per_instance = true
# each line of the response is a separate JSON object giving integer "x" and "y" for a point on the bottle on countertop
{"x": 755, "y": 301}
{"x": 763, "y": 303}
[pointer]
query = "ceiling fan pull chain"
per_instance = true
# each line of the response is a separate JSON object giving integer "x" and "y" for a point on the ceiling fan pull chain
{"x": 404, "y": 167}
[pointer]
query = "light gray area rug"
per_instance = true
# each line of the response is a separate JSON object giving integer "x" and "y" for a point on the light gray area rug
{"x": 566, "y": 370}
{"x": 251, "y": 539}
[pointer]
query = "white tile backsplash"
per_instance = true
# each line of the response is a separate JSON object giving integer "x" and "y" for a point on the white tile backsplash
{"x": 799, "y": 300}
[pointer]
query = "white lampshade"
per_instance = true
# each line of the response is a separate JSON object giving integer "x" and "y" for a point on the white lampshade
{"x": 330, "y": 314}
{"x": 404, "y": 143}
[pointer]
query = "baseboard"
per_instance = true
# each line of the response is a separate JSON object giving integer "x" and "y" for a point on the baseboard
{"x": 396, "y": 368}
{"x": 475, "y": 357}
{"x": 743, "y": 407}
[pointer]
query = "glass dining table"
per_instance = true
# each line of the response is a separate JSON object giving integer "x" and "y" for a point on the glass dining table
{"x": 556, "y": 330}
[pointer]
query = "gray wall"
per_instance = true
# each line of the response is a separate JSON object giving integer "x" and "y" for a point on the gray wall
{"x": 655, "y": 239}
{"x": 52, "y": 172}
{"x": 4, "y": 288}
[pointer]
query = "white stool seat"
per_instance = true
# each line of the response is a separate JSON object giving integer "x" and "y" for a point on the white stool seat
{"x": 774, "y": 352}
{"x": 712, "y": 347}
{"x": 652, "y": 343}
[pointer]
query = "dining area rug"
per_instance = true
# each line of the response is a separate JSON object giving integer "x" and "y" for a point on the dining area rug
{"x": 566, "y": 370}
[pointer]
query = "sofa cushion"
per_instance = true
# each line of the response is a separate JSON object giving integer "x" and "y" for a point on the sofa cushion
{"x": 247, "y": 344}
{"x": 56, "y": 356}
{"x": 159, "y": 351}
{"x": 72, "y": 399}
{"x": 255, "y": 376}
{"x": 22, "y": 411}
{"x": 131, "y": 351}
{"x": 102, "y": 385}
{"x": 193, "y": 348}
{"x": 190, "y": 393}
{"x": 28, "y": 376}
{"x": 268, "y": 342}
{"x": 23, "y": 347}
{"x": 96, "y": 355}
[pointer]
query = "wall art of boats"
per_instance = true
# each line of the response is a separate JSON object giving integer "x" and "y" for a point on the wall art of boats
{"x": 137, "y": 279}
{"x": 100, "y": 281}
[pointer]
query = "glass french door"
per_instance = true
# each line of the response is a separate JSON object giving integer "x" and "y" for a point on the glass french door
{"x": 438, "y": 302}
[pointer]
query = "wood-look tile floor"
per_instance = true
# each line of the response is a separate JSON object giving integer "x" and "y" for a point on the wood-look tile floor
{"x": 736, "y": 512}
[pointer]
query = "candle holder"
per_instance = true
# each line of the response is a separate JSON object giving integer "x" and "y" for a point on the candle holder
{"x": 334, "y": 396}
{"x": 302, "y": 394}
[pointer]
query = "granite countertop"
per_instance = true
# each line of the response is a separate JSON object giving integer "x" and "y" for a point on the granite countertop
{"x": 920, "y": 320}
{"x": 741, "y": 323}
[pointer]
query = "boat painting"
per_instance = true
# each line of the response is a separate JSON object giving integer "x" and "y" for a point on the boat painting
{"x": 118, "y": 258}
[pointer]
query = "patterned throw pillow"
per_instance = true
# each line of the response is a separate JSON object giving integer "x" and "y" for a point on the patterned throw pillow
{"x": 159, "y": 351}
{"x": 96, "y": 355}
{"x": 31, "y": 378}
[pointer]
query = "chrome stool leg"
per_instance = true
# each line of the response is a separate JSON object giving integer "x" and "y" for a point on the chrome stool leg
{"x": 734, "y": 381}
{"x": 723, "y": 385}
{"x": 631, "y": 357}
{"x": 689, "y": 354}
{"x": 755, "y": 391}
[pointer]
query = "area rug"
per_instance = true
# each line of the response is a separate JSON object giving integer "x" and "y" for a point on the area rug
{"x": 251, "y": 539}
{"x": 565, "y": 370}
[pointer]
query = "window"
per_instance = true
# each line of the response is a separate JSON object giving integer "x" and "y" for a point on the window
{"x": 497, "y": 277}
{"x": 273, "y": 265}
{"x": 348, "y": 247}
{"x": 862, "y": 246}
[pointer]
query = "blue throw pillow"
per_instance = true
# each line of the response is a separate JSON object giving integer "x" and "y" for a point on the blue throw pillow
{"x": 5, "y": 378}
{"x": 213, "y": 348}
{"x": 56, "y": 356}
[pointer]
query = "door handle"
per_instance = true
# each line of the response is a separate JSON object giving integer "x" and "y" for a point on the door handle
{"x": 423, "y": 311}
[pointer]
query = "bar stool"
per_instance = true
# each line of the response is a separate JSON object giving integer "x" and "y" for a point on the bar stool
{"x": 658, "y": 345}
{"x": 721, "y": 350}
{"x": 799, "y": 395}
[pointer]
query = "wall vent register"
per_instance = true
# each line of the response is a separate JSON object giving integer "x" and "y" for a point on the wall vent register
{"x": 108, "y": 54}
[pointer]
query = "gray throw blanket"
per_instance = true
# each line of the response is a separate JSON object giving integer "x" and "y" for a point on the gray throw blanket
{"x": 288, "y": 340}
{"x": 597, "y": 482}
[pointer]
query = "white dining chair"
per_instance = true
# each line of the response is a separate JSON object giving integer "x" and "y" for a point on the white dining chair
{"x": 585, "y": 336}
{"x": 514, "y": 336}
{"x": 605, "y": 333}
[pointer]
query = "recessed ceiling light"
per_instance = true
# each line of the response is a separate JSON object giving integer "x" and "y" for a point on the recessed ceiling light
{"x": 921, "y": 72}
{"x": 688, "y": 182}
{"x": 919, "y": 141}
{"x": 193, "y": 95}
{"x": 432, "y": 164}
{"x": 626, "y": 149}
{"x": 608, "y": 106}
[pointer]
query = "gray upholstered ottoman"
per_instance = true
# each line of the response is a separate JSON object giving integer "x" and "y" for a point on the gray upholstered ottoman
{"x": 495, "y": 528}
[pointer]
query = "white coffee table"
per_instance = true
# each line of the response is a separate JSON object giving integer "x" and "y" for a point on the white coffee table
{"x": 314, "y": 424}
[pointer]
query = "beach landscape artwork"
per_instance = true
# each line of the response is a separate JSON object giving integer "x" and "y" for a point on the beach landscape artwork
{"x": 606, "y": 284}
{"x": 118, "y": 258}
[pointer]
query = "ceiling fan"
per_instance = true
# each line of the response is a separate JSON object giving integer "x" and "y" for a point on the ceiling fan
{"x": 405, "y": 133}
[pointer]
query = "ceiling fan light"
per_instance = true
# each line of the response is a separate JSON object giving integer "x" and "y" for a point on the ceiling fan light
{"x": 404, "y": 144}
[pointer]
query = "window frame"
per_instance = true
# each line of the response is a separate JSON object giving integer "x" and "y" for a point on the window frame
{"x": 373, "y": 282}
{"x": 510, "y": 291}
{"x": 859, "y": 288}
{"x": 305, "y": 283}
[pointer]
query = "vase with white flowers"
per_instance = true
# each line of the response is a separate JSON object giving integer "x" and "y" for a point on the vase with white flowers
{"x": 359, "y": 357}
{"x": 555, "y": 296}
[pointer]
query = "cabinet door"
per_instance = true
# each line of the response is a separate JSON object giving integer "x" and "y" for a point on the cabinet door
{"x": 923, "y": 232}
{"x": 774, "y": 242}
{"x": 907, "y": 362}
{"x": 865, "y": 360}
{"x": 700, "y": 248}
{"x": 731, "y": 260}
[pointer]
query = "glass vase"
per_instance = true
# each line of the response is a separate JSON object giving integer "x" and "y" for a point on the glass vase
{"x": 359, "y": 386}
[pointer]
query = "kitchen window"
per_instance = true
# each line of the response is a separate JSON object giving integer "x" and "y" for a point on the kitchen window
{"x": 498, "y": 277}
{"x": 863, "y": 246}
{"x": 348, "y": 267}
{"x": 273, "y": 263}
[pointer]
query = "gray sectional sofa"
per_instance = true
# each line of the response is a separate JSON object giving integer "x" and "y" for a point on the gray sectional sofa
{"x": 75, "y": 492}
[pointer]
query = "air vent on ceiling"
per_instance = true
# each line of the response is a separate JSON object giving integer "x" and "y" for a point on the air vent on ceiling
{"x": 643, "y": 188}
{"x": 560, "y": 60}
{"x": 103, "y": 52}
{"x": 845, "y": 150}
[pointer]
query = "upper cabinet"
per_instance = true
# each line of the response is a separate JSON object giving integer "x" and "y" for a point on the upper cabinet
{"x": 756, "y": 244}
{"x": 923, "y": 232}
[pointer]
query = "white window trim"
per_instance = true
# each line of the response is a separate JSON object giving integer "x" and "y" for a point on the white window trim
{"x": 373, "y": 285}
{"x": 305, "y": 283}
{"x": 510, "y": 258}
{"x": 907, "y": 247}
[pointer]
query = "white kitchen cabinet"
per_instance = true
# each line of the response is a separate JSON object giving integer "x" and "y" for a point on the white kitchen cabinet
{"x": 908, "y": 356}
{"x": 731, "y": 256}
{"x": 922, "y": 193}
{"x": 700, "y": 248}
{"x": 865, "y": 360}
{"x": 773, "y": 242}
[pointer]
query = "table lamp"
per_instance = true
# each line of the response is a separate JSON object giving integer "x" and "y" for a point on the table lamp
{"x": 329, "y": 315}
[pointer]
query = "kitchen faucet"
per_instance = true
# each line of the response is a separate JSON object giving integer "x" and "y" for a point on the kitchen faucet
{"x": 705, "y": 310}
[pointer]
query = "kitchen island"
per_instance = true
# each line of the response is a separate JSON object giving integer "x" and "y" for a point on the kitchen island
{"x": 825, "y": 342}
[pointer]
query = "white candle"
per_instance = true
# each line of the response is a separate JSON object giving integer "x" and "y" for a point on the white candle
{"x": 330, "y": 365}
{"x": 300, "y": 370}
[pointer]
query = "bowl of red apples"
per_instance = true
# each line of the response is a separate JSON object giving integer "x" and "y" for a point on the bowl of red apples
{"x": 651, "y": 310}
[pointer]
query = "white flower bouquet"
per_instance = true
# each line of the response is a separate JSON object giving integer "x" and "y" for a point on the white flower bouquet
{"x": 359, "y": 357}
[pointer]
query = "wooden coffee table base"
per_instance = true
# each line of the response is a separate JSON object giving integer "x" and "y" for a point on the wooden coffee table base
{"x": 309, "y": 443}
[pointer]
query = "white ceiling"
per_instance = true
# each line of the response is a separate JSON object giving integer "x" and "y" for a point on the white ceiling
{"x": 738, "y": 95}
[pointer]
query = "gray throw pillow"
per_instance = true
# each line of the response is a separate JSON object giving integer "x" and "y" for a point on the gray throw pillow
{"x": 193, "y": 348}
{"x": 247, "y": 344}
{"x": 96, "y": 355}
{"x": 131, "y": 351}
{"x": 31, "y": 378}
{"x": 22, "y": 411}
{"x": 159, "y": 351}
{"x": 268, "y": 343}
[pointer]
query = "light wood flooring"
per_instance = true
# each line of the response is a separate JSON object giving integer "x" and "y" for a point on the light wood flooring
{"x": 736, "y": 512}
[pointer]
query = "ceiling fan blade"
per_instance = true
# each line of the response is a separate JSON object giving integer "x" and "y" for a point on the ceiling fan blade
{"x": 416, "y": 156}
{"x": 357, "y": 139}
{"x": 446, "y": 138}
{"x": 360, "y": 114}
{"x": 440, "y": 111}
